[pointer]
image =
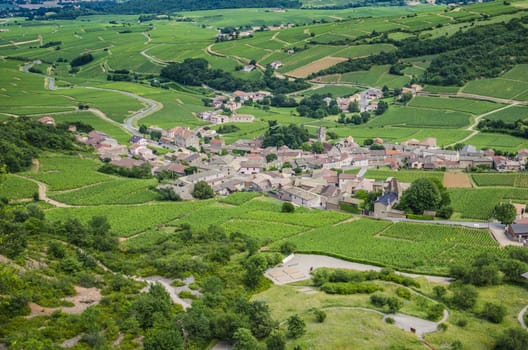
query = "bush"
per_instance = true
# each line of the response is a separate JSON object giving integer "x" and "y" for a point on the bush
{"x": 442, "y": 327}
{"x": 296, "y": 327}
{"x": 320, "y": 315}
{"x": 389, "y": 320}
{"x": 346, "y": 288}
{"x": 82, "y": 60}
{"x": 287, "y": 207}
{"x": 287, "y": 248}
{"x": 493, "y": 312}
{"x": 403, "y": 293}
{"x": 202, "y": 190}
{"x": 461, "y": 322}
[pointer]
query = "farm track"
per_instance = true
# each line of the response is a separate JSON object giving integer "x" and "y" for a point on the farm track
{"x": 43, "y": 190}
{"x": 103, "y": 116}
{"x": 153, "y": 59}
{"x": 520, "y": 317}
{"x": 477, "y": 120}
{"x": 38, "y": 40}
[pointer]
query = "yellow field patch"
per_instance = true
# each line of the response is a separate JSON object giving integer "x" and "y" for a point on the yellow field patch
{"x": 316, "y": 66}
{"x": 457, "y": 180}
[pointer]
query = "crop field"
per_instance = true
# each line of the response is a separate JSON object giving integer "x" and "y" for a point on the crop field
{"x": 13, "y": 187}
{"x": 512, "y": 179}
{"x": 421, "y": 117}
{"x": 498, "y": 141}
{"x": 127, "y": 220}
{"x": 511, "y": 85}
{"x": 403, "y": 175}
{"x": 455, "y": 104}
{"x": 415, "y": 247}
{"x": 478, "y": 203}
{"x": 316, "y": 66}
{"x": 510, "y": 115}
{"x": 457, "y": 180}
{"x": 119, "y": 191}
{"x": 68, "y": 172}
{"x": 335, "y": 91}
{"x": 377, "y": 76}
{"x": 398, "y": 134}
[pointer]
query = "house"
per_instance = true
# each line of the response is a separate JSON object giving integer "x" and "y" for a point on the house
{"x": 47, "y": 120}
{"x": 300, "y": 197}
{"x": 249, "y": 168}
{"x": 216, "y": 145}
{"x": 184, "y": 137}
{"x": 242, "y": 118}
{"x": 504, "y": 164}
{"x": 249, "y": 68}
{"x": 383, "y": 206}
{"x": 518, "y": 231}
{"x": 276, "y": 64}
{"x": 128, "y": 163}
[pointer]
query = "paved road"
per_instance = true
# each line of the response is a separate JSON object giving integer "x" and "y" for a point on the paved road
{"x": 152, "y": 107}
{"x": 298, "y": 268}
{"x": 443, "y": 222}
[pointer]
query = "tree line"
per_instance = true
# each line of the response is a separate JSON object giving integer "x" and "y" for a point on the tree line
{"x": 196, "y": 72}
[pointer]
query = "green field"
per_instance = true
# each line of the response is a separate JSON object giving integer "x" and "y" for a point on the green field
{"x": 455, "y": 104}
{"x": 510, "y": 115}
{"x": 415, "y": 247}
{"x": 512, "y": 179}
{"x": 403, "y": 175}
{"x": 498, "y": 141}
{"x": 13, "y": 187}
{"x": 421, "y": 117}
{"x": 478, "y": 203}
{"x": 511, "y": 85}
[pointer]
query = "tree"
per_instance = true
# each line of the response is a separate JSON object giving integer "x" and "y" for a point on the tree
{"x": 464, "y": 296}
{"x": 261, "y": 323}
{"x": 505, "y": 213}
{"x": 317, "y": 147}
{"x": 296, "y": 326}
{"x": 271, "y": 157}
{"x": 143, "y": 129}
{"x": 422, "y": 195}
{"x": 163, "y": 338}
{"x": 382, "y": 108}
{"x": 287, "y": 207}
{"x": 244, "y": 340}
{"x": 255, "y": 265}
{"x": 202, "y": 190}
{"x": 512, "y": 339}
{"x": 287, "y": 248}
{"x": 276, "y": 341}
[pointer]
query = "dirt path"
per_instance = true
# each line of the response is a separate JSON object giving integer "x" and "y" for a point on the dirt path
{"x": 38, "y": 40}
{"x": 299, "y": 266}
{"x": 83, "y": 299}
{"x": 104, "y": 117}
{"x": 153, "y": 59}
{"x": 42, "y": 191}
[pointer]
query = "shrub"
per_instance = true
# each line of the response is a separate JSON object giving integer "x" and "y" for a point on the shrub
{"x": 442, "y": 327}
{"x": 461, "y": 322}
{"x": 320, "y": 315}
{"x": 296, "y": 326}
{"x": 493, "y": 312}
{"x": 287, "y": 207}
{"x": 403, "y": 293}
{"x": 389, "y": 320}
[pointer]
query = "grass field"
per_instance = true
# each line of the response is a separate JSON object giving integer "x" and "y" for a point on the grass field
{"x": 416, "y": 247}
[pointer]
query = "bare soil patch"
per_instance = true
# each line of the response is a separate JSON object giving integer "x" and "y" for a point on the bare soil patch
{"x": 84, "y": 298}
{"x": 457, "y": 180}
{"x": 316, "y": 66}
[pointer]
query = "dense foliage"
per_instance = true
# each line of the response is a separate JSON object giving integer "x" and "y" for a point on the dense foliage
{"x": 292, "y": 135}
{"x": 22, "y": 139}
{"x": 518, "y": 128}
{"x": 318, "y": 106}
{"x": 143, "y": 171}
{"x": 426, "y": 194}
{"x": 196, "y": 72}
{"x": 82, "y": 60}
{"x": 163, "y": 6}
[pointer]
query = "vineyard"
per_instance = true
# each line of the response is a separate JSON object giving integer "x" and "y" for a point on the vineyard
{"x": 414, "y": 247}
{"x": 512, "y": 179}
